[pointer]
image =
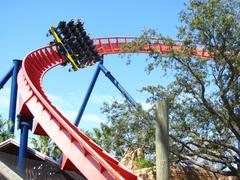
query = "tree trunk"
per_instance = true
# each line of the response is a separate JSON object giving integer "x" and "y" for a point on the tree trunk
{"x": 162, "y": 141}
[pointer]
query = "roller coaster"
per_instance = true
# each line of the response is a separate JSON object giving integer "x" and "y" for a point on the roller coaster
{"x": 80, "y": 153}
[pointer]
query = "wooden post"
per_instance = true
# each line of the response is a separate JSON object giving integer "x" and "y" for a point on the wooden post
{"x": 162, "y": 141}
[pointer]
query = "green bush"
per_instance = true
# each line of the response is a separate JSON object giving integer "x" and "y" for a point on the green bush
{"x": 144, "y": 163}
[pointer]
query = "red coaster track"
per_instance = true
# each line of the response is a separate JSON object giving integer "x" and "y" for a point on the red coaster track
{"x": 80, "y": 152}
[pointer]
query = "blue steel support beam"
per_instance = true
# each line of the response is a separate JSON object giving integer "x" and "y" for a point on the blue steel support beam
{"x": 13, "y": 97}
{"x": 118, "y": 85}
{"x": 6, "y": 77}
{"x": 87, "y": 96}
{"x": 25, "y": 124}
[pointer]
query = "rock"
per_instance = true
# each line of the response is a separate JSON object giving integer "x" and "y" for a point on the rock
{"x": 131, "y": 156}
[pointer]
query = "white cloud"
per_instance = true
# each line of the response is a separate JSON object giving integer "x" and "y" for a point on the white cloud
{"x": 62, "y": 102}
{"x": 55, "y": 99}
{"x": 67, "y": 106}
{"x": 145, "y": 106}
{"x": 64, "y": 106}
{"x": 4, "y": 100}
{"x": 92, "y": 118}
{"x": 99, "y": 99}
{"x": 69, "y": 114}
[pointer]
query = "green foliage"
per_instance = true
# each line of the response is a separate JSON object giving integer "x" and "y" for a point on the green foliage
{"x": 44, "y": 145}
{"x": 125, "y": 128}
{"x": 144, "y": 163}
{"x": 4, "y": 133}
{"x": 204, "y": 97}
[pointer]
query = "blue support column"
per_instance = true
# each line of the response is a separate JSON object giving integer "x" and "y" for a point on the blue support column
{"x": 13, "y": 97}
{"x": 6, "y": 77}
{"x": 25, "y": 124}
{"x": 86, "y": 98}
{"x": 118, "y": 85}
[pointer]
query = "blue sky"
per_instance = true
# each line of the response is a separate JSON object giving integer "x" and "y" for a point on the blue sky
{"x": 24, "y": 25}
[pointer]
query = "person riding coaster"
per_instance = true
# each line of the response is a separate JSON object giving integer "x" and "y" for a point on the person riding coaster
{"x": 74, "y": 44}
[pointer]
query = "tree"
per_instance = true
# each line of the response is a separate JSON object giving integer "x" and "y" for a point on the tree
{"x": 125, "y": 129}
{"x": 4, "y": 133}
{"x": 45, "y": 145}
{"x": 204, "y": 98}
